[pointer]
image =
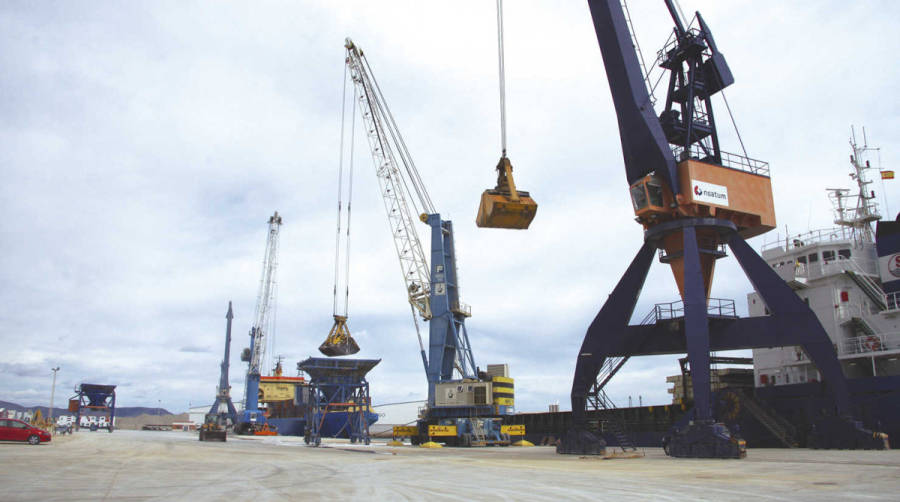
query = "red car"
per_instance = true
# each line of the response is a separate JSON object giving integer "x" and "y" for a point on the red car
{"x": 17, "y": 430}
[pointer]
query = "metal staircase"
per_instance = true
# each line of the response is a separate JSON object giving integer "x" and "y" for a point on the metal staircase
{"x": 598, "y": 400}
{"x": 783, "y": 430}
{"x": 867, "y": 284}
{"x": 613, "y": 424}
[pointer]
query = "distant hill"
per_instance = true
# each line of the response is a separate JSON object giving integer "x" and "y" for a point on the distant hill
{"x": 129, "y": 411}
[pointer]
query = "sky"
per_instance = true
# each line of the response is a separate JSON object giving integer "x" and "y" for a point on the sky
{"x": 144, "y": 145}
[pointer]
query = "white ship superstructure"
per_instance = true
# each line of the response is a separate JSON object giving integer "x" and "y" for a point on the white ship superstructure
{"x": 836, "y": 271}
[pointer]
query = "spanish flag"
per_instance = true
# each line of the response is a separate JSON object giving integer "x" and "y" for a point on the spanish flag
{"x": 887, "y": 175}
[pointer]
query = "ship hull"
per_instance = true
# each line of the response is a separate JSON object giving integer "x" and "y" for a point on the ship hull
{"x": 334, "y": 425}
{"x": 875, "y": 402}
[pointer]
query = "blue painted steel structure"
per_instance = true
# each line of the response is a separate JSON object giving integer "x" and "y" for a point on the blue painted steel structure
{"x": 222, "y": 411}
{"x": 448, "y": 341}
{"x": 252, "y": 418}
{"x": 698, "y": 71}
{"x": 96, "y": 398}
{"x": 337, "y": 399}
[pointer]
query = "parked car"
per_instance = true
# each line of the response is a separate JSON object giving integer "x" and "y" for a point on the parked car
{"x": 17, "y": 430}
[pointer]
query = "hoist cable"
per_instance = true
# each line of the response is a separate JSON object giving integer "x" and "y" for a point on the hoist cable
{"x": 349, "y": 207}
{"x": 734, "y": 124}
{"x": 390, "y": 124}
{"x": 337, "y": 235}
{"x": 502, "y": 71}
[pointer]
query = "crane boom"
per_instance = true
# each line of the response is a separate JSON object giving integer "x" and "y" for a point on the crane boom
{"x": 265, "y": 299}
{"x": 380, "y": 132}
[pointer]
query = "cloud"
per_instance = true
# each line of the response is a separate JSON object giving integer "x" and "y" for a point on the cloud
{"x": 143, "y": 153}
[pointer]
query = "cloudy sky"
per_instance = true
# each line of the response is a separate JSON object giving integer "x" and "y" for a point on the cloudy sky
{"x": 143, "y": 145}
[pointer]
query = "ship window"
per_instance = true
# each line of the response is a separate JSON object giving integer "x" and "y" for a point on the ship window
{"x": 654, "y": 191}
{"x": 844, "y": 253}
{"x": 638, "y": 197}
{"x": 801, "y": 259}
{"x": 814, "y": 257}
{"x": 828, "y": 255}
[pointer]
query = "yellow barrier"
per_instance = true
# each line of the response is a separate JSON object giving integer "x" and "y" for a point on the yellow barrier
{"x": 442, "y": 430}
{"x": 513, "y": 430}
{"x": 405, "y": 430}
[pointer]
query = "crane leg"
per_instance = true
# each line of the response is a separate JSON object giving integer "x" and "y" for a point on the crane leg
{"x": 608, "y": 329}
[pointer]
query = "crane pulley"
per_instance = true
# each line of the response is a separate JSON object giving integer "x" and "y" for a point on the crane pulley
{"x": 504, "y": 206}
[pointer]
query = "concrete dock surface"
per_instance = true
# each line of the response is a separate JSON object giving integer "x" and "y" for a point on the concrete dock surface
{"x": 139, "y": 465}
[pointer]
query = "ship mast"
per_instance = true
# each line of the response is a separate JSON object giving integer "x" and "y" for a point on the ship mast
{"x": 857, "y": 212}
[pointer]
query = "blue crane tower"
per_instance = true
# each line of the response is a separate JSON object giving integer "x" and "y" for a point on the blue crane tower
{"x": 693, "y": 200}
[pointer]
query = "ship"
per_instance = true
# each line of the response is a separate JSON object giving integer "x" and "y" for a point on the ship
{"x": 849, "y": 275}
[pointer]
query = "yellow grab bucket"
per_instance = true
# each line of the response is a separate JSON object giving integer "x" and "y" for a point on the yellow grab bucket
{"x": 504, "y": 206}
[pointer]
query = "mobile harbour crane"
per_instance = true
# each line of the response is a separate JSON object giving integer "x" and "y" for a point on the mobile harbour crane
{"x": 465, "y": 406}
{"x": 252, "y": 419}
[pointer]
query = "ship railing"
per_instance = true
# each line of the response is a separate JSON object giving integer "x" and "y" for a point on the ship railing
{"x": 892, "y": 301}
{"x": 729, "y": 160}
{"x": 719, "y": 307}
{"x": 462, "y": 308}
{"x": 850, "y": 310}
{"x": 820, "y": 236}
{"x": 867, "y": 344}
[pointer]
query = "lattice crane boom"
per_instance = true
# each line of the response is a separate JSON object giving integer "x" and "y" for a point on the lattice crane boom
{"x": 381, "y": 131}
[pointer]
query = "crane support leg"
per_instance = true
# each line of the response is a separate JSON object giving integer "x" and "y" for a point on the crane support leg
{"x": 696, "y": 324}
{"x": 795, "y": 323}
{"x": 608, "y": 328}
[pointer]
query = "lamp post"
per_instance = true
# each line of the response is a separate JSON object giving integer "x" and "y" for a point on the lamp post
{"x": 52, "y": 395}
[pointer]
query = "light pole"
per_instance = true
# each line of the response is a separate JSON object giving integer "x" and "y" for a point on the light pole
{"x": 52, "y": 395}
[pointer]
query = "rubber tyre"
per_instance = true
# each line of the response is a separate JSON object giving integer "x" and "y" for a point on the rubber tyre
{"x": 34, "y": 439}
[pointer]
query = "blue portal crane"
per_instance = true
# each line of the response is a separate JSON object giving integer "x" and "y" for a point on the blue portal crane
{"x": 466, "y": 402}
{"x": 693, "y": 200}
{"x": 252, "y": 419}
{"x": 222, "y": 413}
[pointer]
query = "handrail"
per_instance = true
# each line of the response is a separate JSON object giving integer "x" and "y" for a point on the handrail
{"x": 730, "y": 160}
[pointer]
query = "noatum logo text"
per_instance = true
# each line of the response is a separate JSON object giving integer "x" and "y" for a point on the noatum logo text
{"x": 708, "y": 192}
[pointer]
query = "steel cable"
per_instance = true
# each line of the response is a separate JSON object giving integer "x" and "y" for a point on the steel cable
{"x": 502, "y": 71}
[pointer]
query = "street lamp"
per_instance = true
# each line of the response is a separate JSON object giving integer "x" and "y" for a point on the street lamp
{"x": 52, "y": 395}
